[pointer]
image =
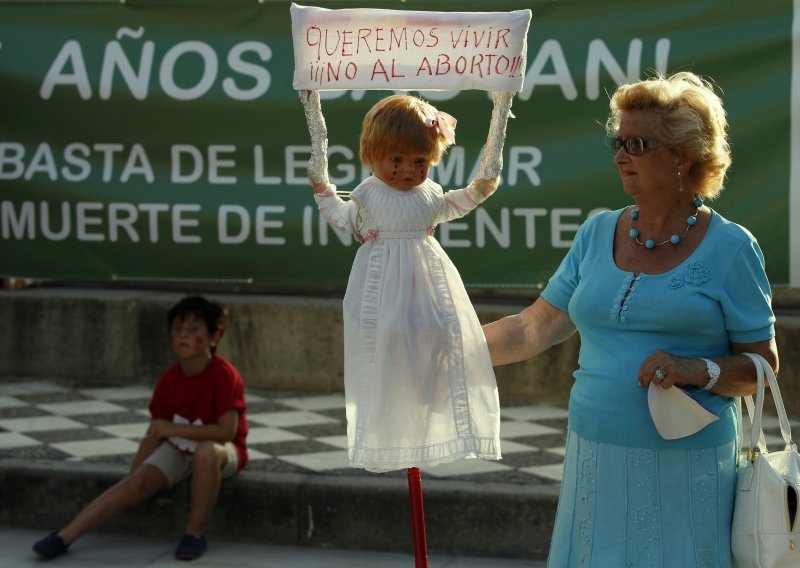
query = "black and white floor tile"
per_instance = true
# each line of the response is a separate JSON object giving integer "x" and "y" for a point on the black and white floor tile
{"x": 289, "y": 432}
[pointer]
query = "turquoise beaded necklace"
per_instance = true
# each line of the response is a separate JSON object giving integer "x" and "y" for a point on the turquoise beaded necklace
{"x": 674, "y": 239}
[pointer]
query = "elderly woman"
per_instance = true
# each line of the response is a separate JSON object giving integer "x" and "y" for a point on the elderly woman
{"x": 664, "y": 291}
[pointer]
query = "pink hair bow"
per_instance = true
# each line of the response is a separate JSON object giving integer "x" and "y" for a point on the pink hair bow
{"x": 446, "y": 124}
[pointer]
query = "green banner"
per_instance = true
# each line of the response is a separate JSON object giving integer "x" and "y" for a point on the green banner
{"x": 163, "y": 140}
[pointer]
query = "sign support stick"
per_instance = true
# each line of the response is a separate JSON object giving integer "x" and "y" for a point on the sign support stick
{"x": 417, "y": 518}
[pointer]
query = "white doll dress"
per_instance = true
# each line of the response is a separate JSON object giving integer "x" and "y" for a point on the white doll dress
{"x": 419, "y": 385}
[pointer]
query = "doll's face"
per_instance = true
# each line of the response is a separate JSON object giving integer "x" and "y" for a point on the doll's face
{"x": 401, "y": 170}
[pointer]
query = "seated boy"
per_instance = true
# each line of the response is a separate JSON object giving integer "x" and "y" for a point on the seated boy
{"x": 198, "y": 428}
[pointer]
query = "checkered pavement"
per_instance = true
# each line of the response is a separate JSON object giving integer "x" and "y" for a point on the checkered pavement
{"x": 289, "y": 432}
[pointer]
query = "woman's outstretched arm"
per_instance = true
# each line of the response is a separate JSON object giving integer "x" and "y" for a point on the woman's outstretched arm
{"x": 528, "y": 333}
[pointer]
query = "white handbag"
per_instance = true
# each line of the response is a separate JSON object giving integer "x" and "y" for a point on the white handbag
{"x": 766, "y": 525}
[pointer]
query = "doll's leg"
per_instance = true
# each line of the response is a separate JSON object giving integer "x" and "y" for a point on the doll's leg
{"x": 207, "y": 463}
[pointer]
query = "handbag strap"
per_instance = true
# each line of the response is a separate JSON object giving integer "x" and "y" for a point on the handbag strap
{"x": 762, "y": 442}
{"x": 755, "y": 410}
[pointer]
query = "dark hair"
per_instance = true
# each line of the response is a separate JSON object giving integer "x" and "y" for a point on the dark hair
{"x": 213, "y": 314}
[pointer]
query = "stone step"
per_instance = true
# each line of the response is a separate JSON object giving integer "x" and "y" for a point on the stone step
{"x": 367, "y": 513}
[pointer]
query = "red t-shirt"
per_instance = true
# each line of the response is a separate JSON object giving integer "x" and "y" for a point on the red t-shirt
{"x": 204, "y": 398}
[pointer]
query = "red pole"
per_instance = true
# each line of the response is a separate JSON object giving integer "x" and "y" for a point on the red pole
{"x": 417, "y": 518}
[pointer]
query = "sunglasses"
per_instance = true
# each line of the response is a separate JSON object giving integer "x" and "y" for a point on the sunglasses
{"x": 633, "y": 145}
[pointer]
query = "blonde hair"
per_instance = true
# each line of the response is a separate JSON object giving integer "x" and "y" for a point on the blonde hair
{"x": 397, "y": 124}
{"x": 691, "y": 120}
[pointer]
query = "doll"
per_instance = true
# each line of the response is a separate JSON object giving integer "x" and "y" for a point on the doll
{"x": 419, "y": 385}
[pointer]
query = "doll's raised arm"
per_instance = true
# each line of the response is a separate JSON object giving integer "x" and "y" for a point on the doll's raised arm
{"x": 487, "y": 178}
{"x": 340, "y": 214}
{"x": 318, "y": 164}
{"x": 459, "y": 202}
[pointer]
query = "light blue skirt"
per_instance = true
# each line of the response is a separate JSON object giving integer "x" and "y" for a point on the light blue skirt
{"x": 622, "y": 507}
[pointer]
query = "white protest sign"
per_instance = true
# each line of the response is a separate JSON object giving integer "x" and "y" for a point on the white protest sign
{"x": 365, "y": 48}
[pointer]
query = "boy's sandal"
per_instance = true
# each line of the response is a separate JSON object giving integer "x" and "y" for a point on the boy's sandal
{"x": 50, "y": 546}
{"x": 190, "y": 547}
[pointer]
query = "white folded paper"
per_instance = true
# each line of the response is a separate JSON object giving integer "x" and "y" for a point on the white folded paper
{"x": 183, "y": 444}
{"x": 675, "y": 413}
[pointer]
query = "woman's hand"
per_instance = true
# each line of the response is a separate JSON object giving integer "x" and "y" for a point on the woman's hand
{"x": 668, "y": 370}
{"x": 737, "y": 372}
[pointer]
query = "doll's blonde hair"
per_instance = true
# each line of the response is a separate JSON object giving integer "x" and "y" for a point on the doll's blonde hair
{"x": 691, "y": 120}
{"x": 397, "y": 124}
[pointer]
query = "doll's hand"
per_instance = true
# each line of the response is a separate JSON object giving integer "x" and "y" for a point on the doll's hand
{"x": 319, "y": 186}
{"x": 484, "y": 187}
{"x": 318, "y": 164}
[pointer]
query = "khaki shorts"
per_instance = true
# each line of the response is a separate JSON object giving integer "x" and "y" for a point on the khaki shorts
{"x": 177, "y": 465}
